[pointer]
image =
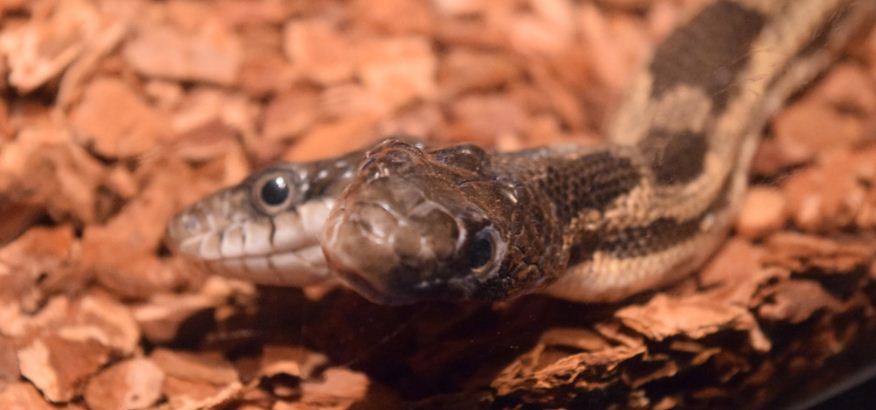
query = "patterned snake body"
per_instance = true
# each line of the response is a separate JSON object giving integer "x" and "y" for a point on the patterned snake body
{"x": 584, "y": 223}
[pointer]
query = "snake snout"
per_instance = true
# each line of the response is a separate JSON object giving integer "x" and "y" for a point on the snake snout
{"x": 190, "y": 230}
{"x": 182, "y": 228}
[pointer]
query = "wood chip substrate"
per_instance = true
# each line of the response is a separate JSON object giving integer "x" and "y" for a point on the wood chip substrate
{"x": 118, "y": 113}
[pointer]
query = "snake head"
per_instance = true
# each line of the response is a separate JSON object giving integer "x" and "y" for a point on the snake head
{"x": 417, "y": 225}
{"x": 268, "y": 228}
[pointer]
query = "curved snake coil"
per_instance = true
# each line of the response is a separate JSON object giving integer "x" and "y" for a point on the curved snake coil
{"x": 400, "y": 223}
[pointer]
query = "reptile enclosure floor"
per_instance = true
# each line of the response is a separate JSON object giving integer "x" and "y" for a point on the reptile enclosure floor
{"x": 115, "y": 114}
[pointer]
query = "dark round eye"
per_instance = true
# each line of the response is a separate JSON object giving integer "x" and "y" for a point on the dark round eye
{"x": 481, "y": 252}
{"x": 275, "y": 191}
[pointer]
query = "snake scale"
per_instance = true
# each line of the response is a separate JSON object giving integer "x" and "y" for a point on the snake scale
{"x": 399, "y": 222}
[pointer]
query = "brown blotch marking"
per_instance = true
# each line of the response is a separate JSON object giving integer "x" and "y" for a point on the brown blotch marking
{"x": 637, "y": 241}
{"x": 675, "y": 157}
{"x": 708, "y": 52}
{"x": 591, "y": 181}
{"x": 584, "y": 248}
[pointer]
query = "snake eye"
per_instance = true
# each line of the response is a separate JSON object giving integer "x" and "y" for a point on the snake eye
{"x": 481, "y": 249}
{"x": 275, "y": 191}
{"x": 272, "y": 192}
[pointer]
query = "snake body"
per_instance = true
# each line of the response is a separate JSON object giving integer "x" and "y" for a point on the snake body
{"x": 400, "y": 223}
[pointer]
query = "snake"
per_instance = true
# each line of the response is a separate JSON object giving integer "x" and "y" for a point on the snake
{"x": 401, "y": 223}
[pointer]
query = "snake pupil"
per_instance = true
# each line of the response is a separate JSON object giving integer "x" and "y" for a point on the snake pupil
{"x": 481, "y": 252}
{"x": 275, "y": 191}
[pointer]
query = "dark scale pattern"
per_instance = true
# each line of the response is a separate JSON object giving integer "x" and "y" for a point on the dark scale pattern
{"x": 675, "y": 158}
{"x": 584, "y": 248}
{"x": 336, "y": 174}
{"x": 537, "y": 234}
{"x": 708, "y": 52}
{"x": 657, "y": 236}
{"x": 822, "y": 35}
{"x": 819, "y": 40}
{"x": 534, "y": 240}
{"x": 636, "y": 241}
{"x": 591, "y": 181}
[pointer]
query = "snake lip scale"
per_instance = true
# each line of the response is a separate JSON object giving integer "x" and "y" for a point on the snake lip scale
{"x": 400, "y": 223}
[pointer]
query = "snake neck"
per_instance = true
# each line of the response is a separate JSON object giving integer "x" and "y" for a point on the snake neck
{"x": 653, "y": 203}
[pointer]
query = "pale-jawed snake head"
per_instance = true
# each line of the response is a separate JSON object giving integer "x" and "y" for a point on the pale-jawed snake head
{"x": 417, "y": 225}
{"x": 267, "y": 229}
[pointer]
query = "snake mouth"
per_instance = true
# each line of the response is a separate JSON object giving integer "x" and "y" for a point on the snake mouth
{"x": 296, "y": 268}
{"x": 367, "y": 290}
{"x": 301, "y": 264}
{"x": 397, "y": 293}
{"x": 281, "y": 249}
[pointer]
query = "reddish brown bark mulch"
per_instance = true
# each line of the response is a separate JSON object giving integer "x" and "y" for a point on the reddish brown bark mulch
{"x": 116, "y": 114}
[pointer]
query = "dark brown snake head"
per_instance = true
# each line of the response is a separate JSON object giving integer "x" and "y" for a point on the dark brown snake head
{"x": 417, "y": 225}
